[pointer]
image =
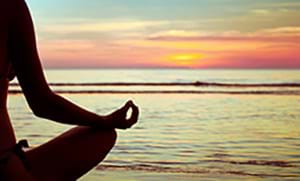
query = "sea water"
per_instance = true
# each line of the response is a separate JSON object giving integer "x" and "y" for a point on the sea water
{"x": 194, "y": 124}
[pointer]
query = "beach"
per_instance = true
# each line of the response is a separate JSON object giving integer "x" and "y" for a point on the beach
{"x": 185, "y": 132}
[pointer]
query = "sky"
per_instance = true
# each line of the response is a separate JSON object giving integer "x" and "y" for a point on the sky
{"x": 167, "y": 33}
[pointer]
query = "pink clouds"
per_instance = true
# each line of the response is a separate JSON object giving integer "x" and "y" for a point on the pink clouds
{"x": 288, "y": 34}
{"x": 230, "y": 38}
{"x": 260, "y": 58}
{"x": 271, "y": 48}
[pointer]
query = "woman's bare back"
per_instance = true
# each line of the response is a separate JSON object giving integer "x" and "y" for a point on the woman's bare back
{"x": 3, "y": 40}
{"x": 6, "y": 16}
{"x": 7, "y": 138}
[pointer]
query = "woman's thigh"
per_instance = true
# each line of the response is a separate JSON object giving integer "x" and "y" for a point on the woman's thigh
{"x": 13, "y": 169}
{"x": 72, "y": 154}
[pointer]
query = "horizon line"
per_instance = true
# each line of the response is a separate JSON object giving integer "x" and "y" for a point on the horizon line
{"x": 168, "y": 68}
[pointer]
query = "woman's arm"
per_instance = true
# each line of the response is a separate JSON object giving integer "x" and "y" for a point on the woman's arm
{"x": 43, "y": 102}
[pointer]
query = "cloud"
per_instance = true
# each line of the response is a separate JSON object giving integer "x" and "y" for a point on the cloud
{"x": 281, "y": 5}
{"x": 261, "y": 11}
{"x": 100, "y": 26}
{"x": 68, "y": 45}
{"x": 283, "y": 31}
{"x": 282, "y": 34}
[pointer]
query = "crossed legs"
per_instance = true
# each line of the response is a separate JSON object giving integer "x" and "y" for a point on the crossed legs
{"x": 72, "y": 154}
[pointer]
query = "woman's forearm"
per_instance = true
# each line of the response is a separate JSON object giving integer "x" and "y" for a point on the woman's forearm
{"x": 58, "y": 109}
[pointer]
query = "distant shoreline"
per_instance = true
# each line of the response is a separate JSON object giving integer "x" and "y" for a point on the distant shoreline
{"x": 170, "y": 92}
{"x": 166, "y": 68}
{"x": 197, "y": 84}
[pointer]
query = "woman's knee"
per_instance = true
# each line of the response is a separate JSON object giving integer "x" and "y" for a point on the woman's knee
{"x": 112, "y": 136}
{"x": 108, "y": 136}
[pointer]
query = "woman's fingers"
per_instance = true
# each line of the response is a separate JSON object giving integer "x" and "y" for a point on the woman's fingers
{"x": 135, "y": 114}
{"x": 123, "y": 110}
{"x": 129, "y": 104}
{"x": 120, "y": 116}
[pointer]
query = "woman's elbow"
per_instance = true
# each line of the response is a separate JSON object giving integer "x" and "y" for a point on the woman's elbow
{"x": 41, "y": 105}
{"x": 39, "y": 111}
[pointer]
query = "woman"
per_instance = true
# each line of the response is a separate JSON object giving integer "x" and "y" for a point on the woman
{"x": 70, "y": 155}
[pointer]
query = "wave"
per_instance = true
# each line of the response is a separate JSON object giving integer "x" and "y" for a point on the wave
{"x": 257, "y": 162}
{"x": 197, "y": 84}
{"x": 284, "y": 92}
{"x": 177, "y": 170}
{"x": 294, "y": 91}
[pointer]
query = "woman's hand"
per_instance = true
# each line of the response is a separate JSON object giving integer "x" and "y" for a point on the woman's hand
{"x": 118, "y": 118}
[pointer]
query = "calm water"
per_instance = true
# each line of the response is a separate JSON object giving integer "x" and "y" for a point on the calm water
{"x": 201, "y": 132}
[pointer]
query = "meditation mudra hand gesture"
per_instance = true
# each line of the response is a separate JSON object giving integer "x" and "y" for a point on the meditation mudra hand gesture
{"x": 69, "y": 155}
{"x": 118, "y": 119}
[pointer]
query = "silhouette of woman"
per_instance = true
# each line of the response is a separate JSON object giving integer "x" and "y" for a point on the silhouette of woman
{"x": 70, "y": 155}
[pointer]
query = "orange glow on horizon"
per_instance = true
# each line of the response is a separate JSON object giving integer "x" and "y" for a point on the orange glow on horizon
{"x": 184, "y": 59}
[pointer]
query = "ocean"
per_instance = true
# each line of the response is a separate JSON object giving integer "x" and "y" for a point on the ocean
{"x": 194, "y": 124}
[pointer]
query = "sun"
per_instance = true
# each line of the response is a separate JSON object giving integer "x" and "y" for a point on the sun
{"x": 185, "y": 59}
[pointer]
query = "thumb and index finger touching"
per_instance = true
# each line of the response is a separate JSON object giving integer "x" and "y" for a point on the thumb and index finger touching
{"x": 128, "y": 105}
{"x": 124, "y": 111}
{"x": 135, "y": 110}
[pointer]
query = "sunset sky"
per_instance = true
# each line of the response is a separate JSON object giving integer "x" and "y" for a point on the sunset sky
{"x": 168, "y": 33}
